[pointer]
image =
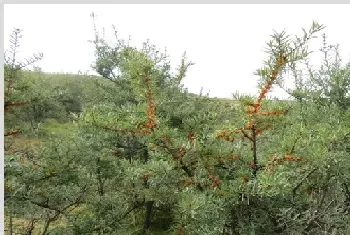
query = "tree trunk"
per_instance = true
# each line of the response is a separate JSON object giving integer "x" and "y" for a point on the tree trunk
{"x": 147, "y": 223}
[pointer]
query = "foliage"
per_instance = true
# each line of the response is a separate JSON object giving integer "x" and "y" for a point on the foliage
{"x": 332, "y": 82}
{"x": 140, "y": 155}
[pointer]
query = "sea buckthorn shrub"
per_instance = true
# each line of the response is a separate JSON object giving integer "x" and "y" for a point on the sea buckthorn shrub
{"x": 216, "y": 175}
{"x": 152, "y": 158}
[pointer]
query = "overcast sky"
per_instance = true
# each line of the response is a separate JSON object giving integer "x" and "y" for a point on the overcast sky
{"x": 225, "y": 41}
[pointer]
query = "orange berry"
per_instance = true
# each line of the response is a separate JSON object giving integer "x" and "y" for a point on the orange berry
{"x": 288, "y": 157}
{"x": 262, "y": 96}
{"x": 216, "y": 183}
{"x": 273, "y": 74}
{"x": 258, "y": 131}
{"x": 234, "y": 157}
{"x": 245, "y": 179}
{"x": 221, "y": 134}
{"x": 145, "y": 176}
{"x": 255, "y": 104}
{"x": 190, "y": 136}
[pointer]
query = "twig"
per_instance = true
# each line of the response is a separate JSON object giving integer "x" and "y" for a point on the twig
{"x": 255, "y": 158}
{"x": 293, "y": 147}
{"x": 302, "y": 180}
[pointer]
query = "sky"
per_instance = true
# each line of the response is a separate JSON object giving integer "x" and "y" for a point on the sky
{"x": 226, "y": 42}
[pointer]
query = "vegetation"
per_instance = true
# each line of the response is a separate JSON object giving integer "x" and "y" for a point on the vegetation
{"x": 132, "y": 152}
